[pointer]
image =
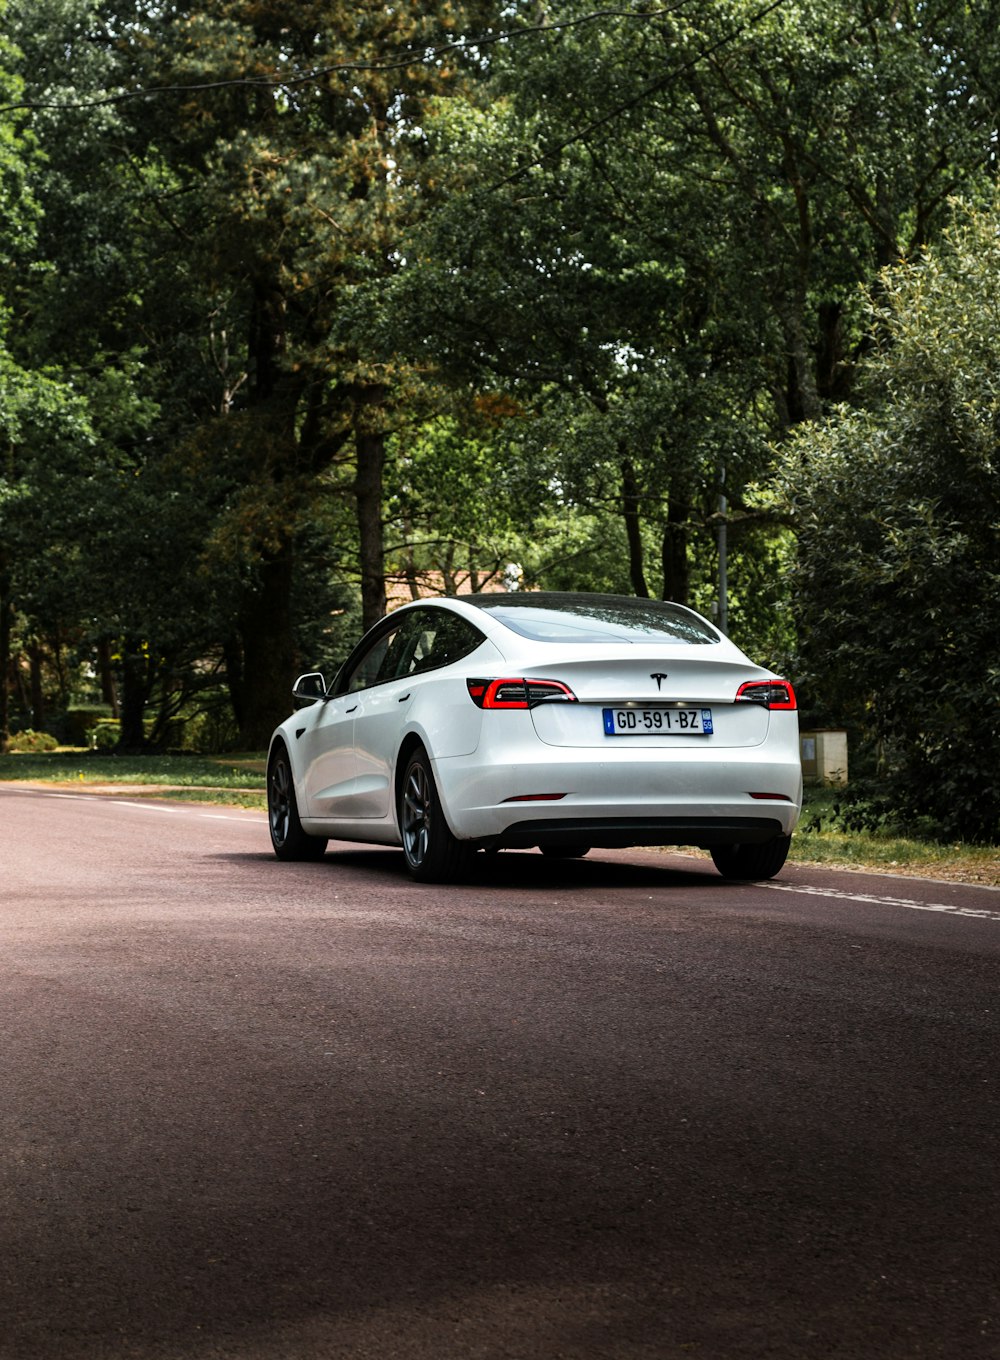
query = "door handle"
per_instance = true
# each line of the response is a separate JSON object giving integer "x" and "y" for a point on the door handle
{"x": 403, "y": 698}
{"x": 351, "y": 710}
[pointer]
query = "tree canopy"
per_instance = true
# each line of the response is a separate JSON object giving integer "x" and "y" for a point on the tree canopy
{"x": 307, "y": 306}
{"x": 898, "y": 524}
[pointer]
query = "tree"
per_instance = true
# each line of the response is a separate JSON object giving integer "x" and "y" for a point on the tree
{"x": 22, "y": 396}
{"x": 204, "y": 240}
{"x": 296, "y": 176}
{"x": 897, "y": 510}
{"x": 658, "y": 224}
{"x": 541, "y": 291}
{"x": 273, "y": 237}
{"x": 46, "y": 432}
{"x": 83, "y": 315}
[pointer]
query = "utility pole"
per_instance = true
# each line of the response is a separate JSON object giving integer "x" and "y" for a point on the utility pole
{"x": 723, "y": 619}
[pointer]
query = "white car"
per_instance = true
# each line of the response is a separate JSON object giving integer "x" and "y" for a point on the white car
{"x": 562, "y": 721}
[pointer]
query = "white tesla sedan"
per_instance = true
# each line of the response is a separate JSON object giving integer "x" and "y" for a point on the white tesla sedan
{"x": 560, "y": 721}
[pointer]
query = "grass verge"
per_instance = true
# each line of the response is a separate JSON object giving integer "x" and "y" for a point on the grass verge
{"x": 238, "y": 780}
{"x": 243, "y": 772}
{"x": 819, "y": 840}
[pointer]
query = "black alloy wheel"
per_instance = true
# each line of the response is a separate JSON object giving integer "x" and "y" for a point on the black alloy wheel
{"x": 289, "y": 840}
{"x": 433, "y": 854}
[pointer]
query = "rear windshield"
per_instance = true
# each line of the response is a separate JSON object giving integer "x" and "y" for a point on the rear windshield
{"x": 546, "y": 617}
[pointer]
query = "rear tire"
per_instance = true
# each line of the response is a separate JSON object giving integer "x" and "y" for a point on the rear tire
{"x": 751, "y": 863}
{"x": 290, "y": 842}
{"x": 432, "y": 853}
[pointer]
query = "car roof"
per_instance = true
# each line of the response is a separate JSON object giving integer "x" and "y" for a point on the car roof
{"x": 609, "y": 617}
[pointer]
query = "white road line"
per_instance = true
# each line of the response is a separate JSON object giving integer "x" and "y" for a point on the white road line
{"x": 228, "y": 817}
{"x": 910, "y": 903}
{"x": 181, "y": 811}
{"x": 147, "y": 807}
{"x": 117, "y": 801}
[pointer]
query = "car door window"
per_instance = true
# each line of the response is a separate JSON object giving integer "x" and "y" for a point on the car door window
{"x": 369, "y": 670}
{"x": 442, "y": 638}
{"x": 396, "y": 664}
{"x": 423, "y": 640}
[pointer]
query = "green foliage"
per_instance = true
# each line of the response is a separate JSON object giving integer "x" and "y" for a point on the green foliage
{"x": 18, "y": 153}
{"x": 898, "y": 517}
{"x": 29, "y": 741}
{"x": 651, "y": 232}
{"x": 105, "y": 736}
{"x": 359, "y": 295}
{"x": 77, "y": 723}
{"x": 843, "y": 828}
{"x": 454, "y": 519}
{"x": 211, "y": 731}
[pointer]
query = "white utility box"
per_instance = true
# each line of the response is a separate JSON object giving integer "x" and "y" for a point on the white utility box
{"x": 824, "y": 756}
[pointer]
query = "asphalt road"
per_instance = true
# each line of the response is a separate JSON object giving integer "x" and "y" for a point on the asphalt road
{"x": 606, "y": 1108}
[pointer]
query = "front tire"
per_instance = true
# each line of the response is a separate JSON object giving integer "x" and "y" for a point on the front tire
{"x": 751, "y": 863}
{"x": 432, "y": 853}
{"x": 290, "y": 842}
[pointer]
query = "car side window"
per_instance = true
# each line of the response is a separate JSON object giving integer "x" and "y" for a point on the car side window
{"x": 396, "y": 660}
{"x": 424, "y": 640}
{"x": 368, "y": 670}
{"x": 442, "y": 639}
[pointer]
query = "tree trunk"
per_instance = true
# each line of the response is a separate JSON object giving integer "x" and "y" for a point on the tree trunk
{"x": 106, "y": 675}
{"x": 803, "y": 394}
{"x": 633, "y": 529}
{"x": 37, "y": 692}
{"x": 269, "y": 659}
{"x": 676, "y": 568}
{"x": 6, "y": 627}
{"x": 232, "y": 651}
{"x": 370, "y": 446}
{"x": 131, "y": 737}
{"x": 410, "y": 569}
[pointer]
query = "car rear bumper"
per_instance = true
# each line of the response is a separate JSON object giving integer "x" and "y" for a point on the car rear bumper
{"x": 611, "y": 832}
{"x": 704, "y": 797}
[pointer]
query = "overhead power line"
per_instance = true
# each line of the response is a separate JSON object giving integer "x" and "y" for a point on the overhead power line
{"x": 410, "y": 56}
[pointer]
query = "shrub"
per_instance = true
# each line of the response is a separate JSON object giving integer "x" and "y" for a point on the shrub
{"x": 104, "y": 737}
{"x": 898, "y": 519}
{"x": 211, "y": 733}
{"x": 29, "y": 741}
{"x": 78, "y": 723}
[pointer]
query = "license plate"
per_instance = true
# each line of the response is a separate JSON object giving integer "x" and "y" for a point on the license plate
{"x": 652, "y": 722}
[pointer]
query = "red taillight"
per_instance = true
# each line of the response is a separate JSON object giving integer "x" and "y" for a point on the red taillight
{"x": 767, "y": 693}
{"x": 519, "y": 692}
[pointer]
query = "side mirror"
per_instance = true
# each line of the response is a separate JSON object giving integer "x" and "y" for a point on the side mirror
{"x": 308, "y": 689}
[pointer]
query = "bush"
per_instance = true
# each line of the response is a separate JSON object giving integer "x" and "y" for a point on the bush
{"x": 104, "y": 737}
{"x": 29, "y": 742}
{"x": 211, "y": 733}
{"x": 78, "y": 723}
{"x": 898, "y": 520}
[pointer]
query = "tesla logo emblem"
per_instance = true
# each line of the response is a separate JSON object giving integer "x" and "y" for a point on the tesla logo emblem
{"x": 659, "y": 677}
